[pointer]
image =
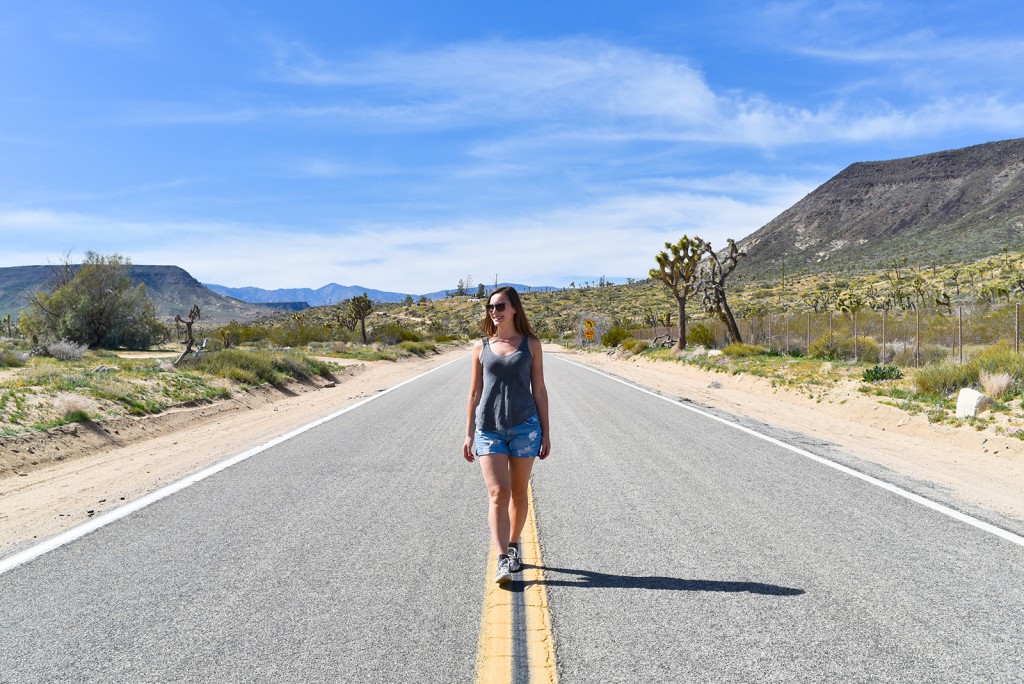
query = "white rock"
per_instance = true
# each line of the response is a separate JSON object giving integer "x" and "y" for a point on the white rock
{"x": 714, "y": 353}
{"x": 969, "y": 403}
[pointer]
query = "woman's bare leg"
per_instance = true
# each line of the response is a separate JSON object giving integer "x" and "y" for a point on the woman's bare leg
{"x": 519, "y": 502}
{"x": 498, "y": 479}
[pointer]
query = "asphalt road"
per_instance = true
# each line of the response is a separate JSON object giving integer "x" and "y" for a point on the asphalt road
{"x": 676, "y": 549}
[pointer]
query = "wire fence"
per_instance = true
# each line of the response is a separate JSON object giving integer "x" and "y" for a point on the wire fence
{"x": 905, "y": 337}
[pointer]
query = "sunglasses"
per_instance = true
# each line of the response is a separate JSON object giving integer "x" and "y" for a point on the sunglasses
{"x": 499, "y": 307}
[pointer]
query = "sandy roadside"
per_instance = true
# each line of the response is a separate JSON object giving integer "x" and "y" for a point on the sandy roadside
{"x": 979, "y": 468}
{"x": 128, "y": 460}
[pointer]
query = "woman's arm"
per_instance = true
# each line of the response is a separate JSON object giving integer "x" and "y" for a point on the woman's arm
{"x": 540, "y": 395}
{"x": 476, "y": 388}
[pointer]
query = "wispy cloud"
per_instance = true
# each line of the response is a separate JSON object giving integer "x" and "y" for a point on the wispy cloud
{"x": 579, "y": 91}
{"x": 615, "y": 236}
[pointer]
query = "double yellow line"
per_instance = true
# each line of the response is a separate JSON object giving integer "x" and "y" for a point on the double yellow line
{"x": 516, "y": 644}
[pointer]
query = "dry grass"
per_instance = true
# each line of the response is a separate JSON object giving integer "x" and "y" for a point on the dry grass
{"x": 995, "y": 385}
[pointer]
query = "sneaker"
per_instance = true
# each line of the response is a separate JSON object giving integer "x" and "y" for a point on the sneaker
{"x": 515, "y": 557}
{"x": 504, "y": 574}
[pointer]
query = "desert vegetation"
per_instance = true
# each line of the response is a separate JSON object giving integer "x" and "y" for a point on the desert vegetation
{"x": 912, "y": 334}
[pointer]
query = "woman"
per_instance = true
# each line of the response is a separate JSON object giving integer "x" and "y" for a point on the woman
{"x": 507, "y": 420}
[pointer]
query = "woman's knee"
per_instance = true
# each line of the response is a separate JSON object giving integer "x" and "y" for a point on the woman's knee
{"x": 500, "y": 494}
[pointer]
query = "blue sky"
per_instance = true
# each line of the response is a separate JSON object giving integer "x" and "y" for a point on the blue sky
{"x": 405, "y": 145}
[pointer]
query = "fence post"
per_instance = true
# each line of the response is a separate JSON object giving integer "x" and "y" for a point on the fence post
{"x": 787, "y": 332}
{"x": 769, "y": 331}
{"x": 960, "y": 332}
{"x": 917, "y": 340}
{"x": 885, "y": 314}
{"x": 856, "y": 355}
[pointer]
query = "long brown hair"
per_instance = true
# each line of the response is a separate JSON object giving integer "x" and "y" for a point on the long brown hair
{"x": 521, "y": 323}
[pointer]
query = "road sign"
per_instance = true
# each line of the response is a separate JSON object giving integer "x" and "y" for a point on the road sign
{"x": 588, "y": 324}
{"x": 588, "y": 334}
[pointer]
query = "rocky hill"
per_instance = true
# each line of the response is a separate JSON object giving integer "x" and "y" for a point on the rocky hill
{"x": 935, "y": 208}
{"x": 171, "y": 288}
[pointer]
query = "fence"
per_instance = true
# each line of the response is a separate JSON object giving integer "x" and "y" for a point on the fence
{"x": 905, "y": 337}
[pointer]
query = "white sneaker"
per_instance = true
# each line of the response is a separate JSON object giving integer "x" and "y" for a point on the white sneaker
{"x": 504, "y": 574}
{"x": 515, "y": 557}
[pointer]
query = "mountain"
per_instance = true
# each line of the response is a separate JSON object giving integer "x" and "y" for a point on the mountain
{"x": 941, "y": 207}
{"x": 171, "y": 288}
{"x": 328, "y": 294}
{"x": 334, "y": 293}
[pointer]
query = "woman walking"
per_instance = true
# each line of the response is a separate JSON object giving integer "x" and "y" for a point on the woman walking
{"x": 507, "y": 420}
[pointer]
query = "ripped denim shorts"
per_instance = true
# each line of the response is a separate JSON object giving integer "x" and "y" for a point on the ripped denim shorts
{"x": 522, "y": 441}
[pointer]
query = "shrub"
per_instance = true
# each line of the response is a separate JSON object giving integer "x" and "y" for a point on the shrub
{"x": 73, "y": 408}
{"x": 930, "y": 354}
{"x": 701, "y": 334}
{"x": 868, "y": 349}
{"x": 256, "y": 367}
{"x": 393, "y": 333}
{"x": 886, "y": 372}
{"x": 417, "y": 348}
{"x": 615, "y": 336}
{"x": 65, "y": 350}
{"x": 635, "y": 346}
{"x": 995, "y": 385}
{"x": 743, "y": 349}
{"x": 825, "y": 347}
{"x": 1000, "y": 358}
{"x": 98, "y": 306}
{"x": 12, "y": 359}
{"x": 940, "y": 379}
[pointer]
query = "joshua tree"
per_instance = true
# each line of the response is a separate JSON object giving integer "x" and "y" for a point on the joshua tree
{"x": 359, "y": 308}
{"x": 677, "y": 270}
{"x": 712, "y": 285}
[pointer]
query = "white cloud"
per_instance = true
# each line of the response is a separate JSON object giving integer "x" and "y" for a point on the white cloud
{"x": 616, "y": 236}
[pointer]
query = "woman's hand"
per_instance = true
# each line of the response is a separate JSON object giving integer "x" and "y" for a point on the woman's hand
{"x": 545, "y": 447}
{"x": 467, "y": 449}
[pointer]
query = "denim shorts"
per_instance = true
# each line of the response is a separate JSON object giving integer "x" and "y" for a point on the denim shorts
{"x": 522, "y": 441}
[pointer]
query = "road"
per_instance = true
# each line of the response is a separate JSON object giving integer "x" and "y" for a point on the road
{"x": 675, "y": 548}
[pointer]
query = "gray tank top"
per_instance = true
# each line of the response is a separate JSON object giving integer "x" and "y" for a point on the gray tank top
{"x": 507, "y": 399}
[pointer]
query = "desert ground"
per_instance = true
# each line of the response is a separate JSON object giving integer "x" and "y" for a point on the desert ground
{"x": 70, "y": 474}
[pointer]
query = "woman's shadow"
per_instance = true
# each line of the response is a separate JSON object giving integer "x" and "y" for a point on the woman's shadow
{"x": 588, "y": 579}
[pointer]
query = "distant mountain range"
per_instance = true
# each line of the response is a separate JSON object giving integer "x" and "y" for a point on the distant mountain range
{"x": 941, "y": 207}
{"x": 174, "y": 291}
{"x": 334, "y": 293}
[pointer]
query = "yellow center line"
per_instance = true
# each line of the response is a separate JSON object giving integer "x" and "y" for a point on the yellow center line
{"x": 499, "y": 641}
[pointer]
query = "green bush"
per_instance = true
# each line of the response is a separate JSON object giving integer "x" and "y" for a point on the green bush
{"x": 930, "y": 354}
{"x": 1000, "y": 358}
{"x": 393, "y": 333}
{"x": 826, "y": 347}
{"x": 418, "y": 348}
{"x": 615, "y": 336}
{"x": 635, "y": 346}
{"x": 98, "y": 306}
{"x": 742, "y": 349}
{"x": 940, "y": 379}
{"x": 12, "y": 359}
{"x": 886, "y": 372}
{"x": 257, "y": 367}
{"x": 702, "y": 334}
{"x": 868, "y": 349}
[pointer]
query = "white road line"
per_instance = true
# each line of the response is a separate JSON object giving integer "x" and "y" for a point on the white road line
{"x": 952, "y": 513}
{"x": 79, "y": 531}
